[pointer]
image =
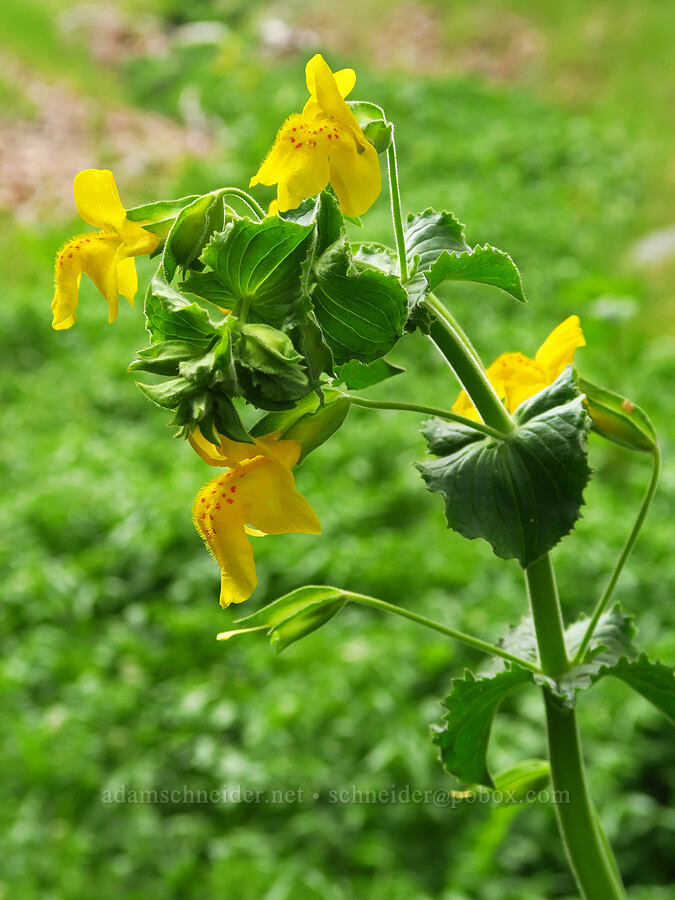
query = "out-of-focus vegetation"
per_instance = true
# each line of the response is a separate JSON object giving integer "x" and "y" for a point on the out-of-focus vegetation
{"x": 543, "y": 127}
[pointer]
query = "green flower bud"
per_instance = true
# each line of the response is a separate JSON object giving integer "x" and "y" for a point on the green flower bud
{"x": 618, "y": 419}
{"x": 309, "y": 422}
{"x": 373, "y": 123}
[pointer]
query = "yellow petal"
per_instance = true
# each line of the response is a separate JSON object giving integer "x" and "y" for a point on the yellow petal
{"x": 127, "y": 279}
{"x": 326, "y": 96}
{"x": 298, "y": 162}
{"x": 94, "y": 255}
{"x": 345, "y": 79}
{"x": 270, "y": 500}
{"x": 354, "y": 173}
{"x": 232, "y": 453}
{"x": 516, "y": 377}
{"x": 285, "y": 452}
{"x": 219, "y": 521}
{"x": 137, "y": 241}
{"x": 464, "y": 407}
{"x": 97, "y": 199}
{"x": 557, "y": 351}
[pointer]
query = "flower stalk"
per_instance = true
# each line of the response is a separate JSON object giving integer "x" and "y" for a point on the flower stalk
{"x": 587, "y": 849}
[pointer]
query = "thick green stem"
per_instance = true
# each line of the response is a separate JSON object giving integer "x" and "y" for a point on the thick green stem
{"x": 484, "y": 646}
{"x": 425, "y": 410}
{"x": 468, "y": 371}
{"x": 445, "y": 312}
{"x": 584, "y": 841}
{"x": 579, "y": 826}
{"x": 548, "y": 624}
{"x": 396, "y": 211}
{"x": 625, "y": 553}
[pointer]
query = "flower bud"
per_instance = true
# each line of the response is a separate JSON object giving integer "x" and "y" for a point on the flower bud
{"x": 309, "y": 422}
{"x": 618, "y": 419}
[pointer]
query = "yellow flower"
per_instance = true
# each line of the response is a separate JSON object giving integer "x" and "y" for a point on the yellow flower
{"x": 323, "y": 144}
{"x": 255, "y": 497}
{"x": 515, "y": 377}
{"x": 105, "y": 256}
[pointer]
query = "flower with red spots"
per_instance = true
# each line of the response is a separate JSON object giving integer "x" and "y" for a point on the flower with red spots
{"x": 106, "y": 256}
{"x": 323, "y": 144}
{"x": 516, "y": 377}
{"x": 255, "y": 497}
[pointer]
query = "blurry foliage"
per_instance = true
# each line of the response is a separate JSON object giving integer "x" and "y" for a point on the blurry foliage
{"x": 110, "y": 673}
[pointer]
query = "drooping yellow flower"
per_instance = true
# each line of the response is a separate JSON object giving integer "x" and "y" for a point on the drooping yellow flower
{"x": 323, "y": 144}
{"x": 515, "y": 377}
{"x": 106, "y": 256}
{"x": 255, "y": 497}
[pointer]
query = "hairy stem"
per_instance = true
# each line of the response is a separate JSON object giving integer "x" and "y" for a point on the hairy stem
{"x": 396, "y": 211}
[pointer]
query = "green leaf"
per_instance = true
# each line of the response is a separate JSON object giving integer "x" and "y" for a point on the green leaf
{"x": 190, "y": 232}
{"x": 159, "y": 211}
{"x": 361, "y": 314}
{"x": 356, "y": 375}
{"x": 292, "y": 616}
{"x": 428, "y": 234}
{"x": 309, "y": 339}
{"x": 206, "y": 286}
{"x": 612, "y": 640}
{"x": 419, "y": 316}
{"x": 653, "y": 680}
{"x": 269, "y": 368}
{"x": 172, "y": 317}
{"x": 485, "y": 265}
{"x": 259, "y": 266}
{"x": 618, "y": 419}
{"x": 269, "y": 350}
{"x": 522, "y": 494}
{"x": 472, "y": 704}
{"x": 164, "y": 357}
{"x": 376, "y": 256}
{"x": 169, "y": 393}
{"x": 226, "y": 419}
{"x": 158, "y": 217}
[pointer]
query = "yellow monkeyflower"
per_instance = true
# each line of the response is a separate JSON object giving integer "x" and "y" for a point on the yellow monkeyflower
{"x": 106, "y": 256}
{"x": 255, "y": 497}
{"x": 515, "y": 377}
{"x": 323, "y": 144}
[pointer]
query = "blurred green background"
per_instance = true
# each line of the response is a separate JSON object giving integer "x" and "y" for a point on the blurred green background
{"x": 544, "y": 127}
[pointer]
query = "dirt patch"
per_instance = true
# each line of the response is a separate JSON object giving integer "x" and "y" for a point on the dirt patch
{"x": 420, "y": 38}
{"x": 67, "y": 131}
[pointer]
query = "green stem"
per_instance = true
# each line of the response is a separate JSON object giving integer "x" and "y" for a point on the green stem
{"x": 245, "y": 198}
{"x": 426, "y": 410}
{"x": 579, "y": 826}
{"x": 396, "y": 211}
{"x": 623, "y": 558}
{"x": 443, "y": 629}
{"x": 548, "y": 625}
{"x": 468, "y": 371}
{"x": 445, "y": 312}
